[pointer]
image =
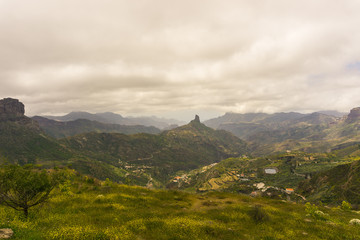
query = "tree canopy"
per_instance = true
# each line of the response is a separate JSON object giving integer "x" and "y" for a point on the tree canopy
{"x": 23, "y": 187}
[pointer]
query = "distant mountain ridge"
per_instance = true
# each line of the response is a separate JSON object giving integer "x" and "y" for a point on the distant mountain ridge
{"x": 59, "y": 129}
{"x": 269, "y": 133}
{"x": 113, "y": 118}
{"x": 273, "y": 120}
{"x": 334, "y": 113}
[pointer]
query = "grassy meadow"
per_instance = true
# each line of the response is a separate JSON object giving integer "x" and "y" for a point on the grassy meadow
{"x": 89, "y": 209}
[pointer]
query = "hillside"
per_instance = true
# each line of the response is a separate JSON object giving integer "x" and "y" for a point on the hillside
{"x": 271, "y": 133}
{"x": 335, "y": 185}
{"x": 339, "y": 183}
{"x": 58, "y": 129}
{"x": 87, "y": 209}
{"x": 183, "y": 148}
{"x": 21, "y": 140}
{"x": 275, "y": 172}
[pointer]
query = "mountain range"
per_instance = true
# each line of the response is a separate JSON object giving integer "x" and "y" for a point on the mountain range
{"x": 268, "y": 133}
{"x": 317, "y": 154}
{"x": 139, "y": 158}
{"x": 113, "y": 118}
{"x": 60, "y": 129}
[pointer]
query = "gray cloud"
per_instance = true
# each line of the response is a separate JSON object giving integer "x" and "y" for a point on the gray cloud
{"x": 176, "y": 58}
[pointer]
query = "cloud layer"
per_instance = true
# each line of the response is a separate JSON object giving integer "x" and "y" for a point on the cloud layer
{"x": 175, "y": 58}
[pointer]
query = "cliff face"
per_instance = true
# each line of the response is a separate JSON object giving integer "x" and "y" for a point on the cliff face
{"x": 354, "y": 115}
{"x": 11, "y": 108}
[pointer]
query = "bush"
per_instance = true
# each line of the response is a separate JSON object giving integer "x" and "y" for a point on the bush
{"x": 310, "y": 208}
{"x": 313, "y": 211}
{"x": 346, "y": 206}
{"x": 258, "y": 214}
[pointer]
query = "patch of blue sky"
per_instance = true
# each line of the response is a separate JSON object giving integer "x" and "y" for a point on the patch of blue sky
{"x": 353, "y": 66}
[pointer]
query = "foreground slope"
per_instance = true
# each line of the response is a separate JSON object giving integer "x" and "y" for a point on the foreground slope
{"x": 93, "y": 210}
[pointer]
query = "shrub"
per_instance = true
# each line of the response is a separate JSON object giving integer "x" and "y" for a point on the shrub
{"x": 65, "y": 187}
{"x": 108, "y": 182}
{"x": 310, "y": 208}
{"x": 313, "y": 211}
{"x": 258, "y": 214}
{"x": 346, "y": 206}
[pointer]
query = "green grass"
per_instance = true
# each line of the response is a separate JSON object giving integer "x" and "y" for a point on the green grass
{"x": 292, "y": 169}
{"x": 124, "y": 212}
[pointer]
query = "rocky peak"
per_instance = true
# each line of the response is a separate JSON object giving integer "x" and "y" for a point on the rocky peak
{"x": 196, "y": 122}
{"x": 197, "y": 118}
{"x": 11, "y": 108}
{"x": 354, "y": 115}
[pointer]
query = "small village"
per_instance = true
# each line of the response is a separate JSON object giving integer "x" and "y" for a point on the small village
{"x": 271, "y": 176}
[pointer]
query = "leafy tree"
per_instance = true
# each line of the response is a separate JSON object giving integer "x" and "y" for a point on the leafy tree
{"x": 23, "y": 187}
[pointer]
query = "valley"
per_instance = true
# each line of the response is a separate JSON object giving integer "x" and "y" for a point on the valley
{"x": 278, "y": 162}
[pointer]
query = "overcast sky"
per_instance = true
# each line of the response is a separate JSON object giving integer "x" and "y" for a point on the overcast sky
{"x": 175, "y": 58}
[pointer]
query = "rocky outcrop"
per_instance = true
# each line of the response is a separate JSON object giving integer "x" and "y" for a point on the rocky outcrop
{"x": 11, "y": 108}
{"x": 6, "y": 233}
{"x": 196, "y": 121}
{"x": 197, "y": 118}
{"x": 354, "y": 115}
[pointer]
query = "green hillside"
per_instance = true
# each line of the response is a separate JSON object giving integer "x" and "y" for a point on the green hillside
{"x": 279, "y": 171}
{"x": 339, "y": 183}
{"x": 183, "y": 148}
{"x": 27, "y": 144}
{"x": 88, "y": 210}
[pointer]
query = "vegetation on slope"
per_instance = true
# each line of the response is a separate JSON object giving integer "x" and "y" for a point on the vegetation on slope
{"x": 23, "y": 144}
{"x": 87, "y": 209}
{"x": 276, "y": 172}
{"x": 335, "y": 185}
{"x": 141, "y": 159}
{"x": 183, "y": 148}
{"x": 332, "y": 186}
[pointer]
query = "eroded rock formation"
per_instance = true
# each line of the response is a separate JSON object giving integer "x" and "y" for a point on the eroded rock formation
{"x": 11, "y": 108}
